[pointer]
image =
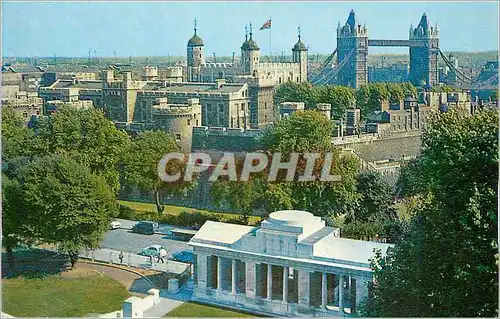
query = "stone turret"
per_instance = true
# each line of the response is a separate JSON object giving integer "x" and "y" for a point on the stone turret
{"x": 352, "y": 44}
{"x": 250, "y": 54}
{"x": 299, "y": 54}
{"x": 424, "y": 59}
{"x": 195, "y": 55}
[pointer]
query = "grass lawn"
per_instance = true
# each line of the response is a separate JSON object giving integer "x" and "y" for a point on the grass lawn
{"x": 176, "y": 210}
{"x": 62, "y": 296}
{"x": 189, "y": 309}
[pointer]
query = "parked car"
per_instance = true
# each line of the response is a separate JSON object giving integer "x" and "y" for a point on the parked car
{"x": 153, "y": 250}
{"x": 115, "y": 225}
{"x": 184, "y": 256}
{"x": 145, "y": 227}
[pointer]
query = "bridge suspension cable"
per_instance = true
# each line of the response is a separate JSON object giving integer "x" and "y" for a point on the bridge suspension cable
{"x": 333, "y": 72}
{"x": 324, "y": 67}
{"x": 459, "y": 73}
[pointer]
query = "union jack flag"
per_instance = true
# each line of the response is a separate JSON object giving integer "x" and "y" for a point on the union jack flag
{"x": 266, "y": 25}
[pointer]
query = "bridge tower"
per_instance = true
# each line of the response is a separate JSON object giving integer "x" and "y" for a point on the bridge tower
{"x": 424, "y": 58}
{"x": 352, "y": 37}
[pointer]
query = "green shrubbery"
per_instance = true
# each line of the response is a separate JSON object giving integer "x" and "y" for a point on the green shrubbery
{"x": 186, "y": 219}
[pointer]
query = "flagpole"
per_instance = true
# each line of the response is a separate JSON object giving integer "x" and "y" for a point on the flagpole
{"x": 270, "y": 30}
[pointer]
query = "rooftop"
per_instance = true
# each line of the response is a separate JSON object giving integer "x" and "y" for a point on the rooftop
{"x": 291, "y": 234}
{"x": 194, "y": 87}
{"x": 61, "y": 84}
{"x": 221, "y": 232}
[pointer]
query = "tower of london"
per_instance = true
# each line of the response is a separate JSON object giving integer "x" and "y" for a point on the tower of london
{"x": 249, "y": 68}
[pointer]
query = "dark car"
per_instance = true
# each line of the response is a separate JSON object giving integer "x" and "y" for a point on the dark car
{"x": 184, "y": 256}
{"x": 146, "y": 228}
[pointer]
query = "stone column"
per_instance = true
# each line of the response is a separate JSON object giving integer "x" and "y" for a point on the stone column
{"x": 323, "y": 290}
{"x": 201, "y": 270}
{"x": 219, "y": 273}
{"x": 285, "y": 283}
{"x": 341, "y": 293}
{"x": 303, "y": 287}
{"x": 233, "y": 278}
{"x": 250, "y": 279}
{"x": 269, "y": 282}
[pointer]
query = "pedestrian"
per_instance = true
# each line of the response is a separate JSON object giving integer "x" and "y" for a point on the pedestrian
{"x": 121, "y": 257}
{"x": 163, "y": 254}
{"x": 151, "y": 260}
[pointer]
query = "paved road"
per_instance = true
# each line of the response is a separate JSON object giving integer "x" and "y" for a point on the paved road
{"x": 126, "y": 241}
{"x": 131, "y": 259}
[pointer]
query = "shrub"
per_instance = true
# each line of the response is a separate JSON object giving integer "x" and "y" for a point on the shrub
{"x": 126, "y": 212}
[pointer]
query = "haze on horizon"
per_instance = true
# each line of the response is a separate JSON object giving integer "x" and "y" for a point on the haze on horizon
{"x": 71, "y": 29}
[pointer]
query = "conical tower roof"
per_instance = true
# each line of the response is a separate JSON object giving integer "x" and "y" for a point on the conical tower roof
{"x": 299, "y": 46}
{"x": 195, "y": 40}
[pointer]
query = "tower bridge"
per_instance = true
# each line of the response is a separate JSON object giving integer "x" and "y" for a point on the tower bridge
{"x": 352, "y": 52}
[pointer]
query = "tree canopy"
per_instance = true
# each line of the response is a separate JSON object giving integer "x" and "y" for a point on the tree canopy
{"x": 56, "y": 200}
{"x": 367, "y": 98}
{"x": 450, "y": 254}
{"x": 302, "y": 132}
{"x": 140, "y": 166}
{"x": 87, "y": 136}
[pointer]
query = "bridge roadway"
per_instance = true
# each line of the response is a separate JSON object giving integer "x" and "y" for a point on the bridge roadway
{"x": 396, "y": 43}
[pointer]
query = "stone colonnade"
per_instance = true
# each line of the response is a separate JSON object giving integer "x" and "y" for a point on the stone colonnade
{"x": 319, "y": 290}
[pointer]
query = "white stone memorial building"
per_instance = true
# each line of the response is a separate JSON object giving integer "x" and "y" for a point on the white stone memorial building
{"x": 291, "y": 265}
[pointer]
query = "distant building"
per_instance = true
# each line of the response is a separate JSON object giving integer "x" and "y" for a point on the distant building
{"x": 325, "y": 109}
{"x": 27, "y": 78}
{"x": 412, "y": 114}
{"x": 54, "y": 105}
{"x": 288, "y": 108}
{"x": 396, "y": 72}
{"x": 24, "y": 103}
{"x": 177, "y": 119}
{"x": 198, "y": 70}
{"x": 353, "y": 119}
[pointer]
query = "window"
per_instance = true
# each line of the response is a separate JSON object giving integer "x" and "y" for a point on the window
{"x": 221, "y": 107}
{"x": 242, "y": 106}
{"x": 177, "y": 137}
{"x": 197, "y": 123}
{"x": 188, "y": 122}
{"x": 37, "y": 112}
{"x": 25, "y": 114}
{"x": 265, "y": 105}
{"x": 279, "y": 80}
{"x": 297, "y": 79}
{"x": 288, "y": 79}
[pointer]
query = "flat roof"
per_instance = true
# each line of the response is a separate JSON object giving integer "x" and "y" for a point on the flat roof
{"x": 359, "y": 251}
{"x": 221, "y": 232}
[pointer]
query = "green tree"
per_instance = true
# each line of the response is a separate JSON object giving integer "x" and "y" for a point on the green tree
{"x": 369, "y": 97}
{"x": 443, "y": 88}
{"x": 376, "y": 200}
{"x": 87, "y": 136}
{"x": 340, "y": 97}
{"x": 297, "y": 92}
{"x": 17, "y": 139}
{"x": 450, "y": 254}
{"x": 302, "y": 132}
{"x": 141, "y": 165}
{"x": 56, "y": 200}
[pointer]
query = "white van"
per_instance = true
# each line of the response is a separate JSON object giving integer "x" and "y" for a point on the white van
{"x": 115, "y": 225}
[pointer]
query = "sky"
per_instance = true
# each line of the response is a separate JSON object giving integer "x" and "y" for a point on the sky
{"x": 31, "y": 29}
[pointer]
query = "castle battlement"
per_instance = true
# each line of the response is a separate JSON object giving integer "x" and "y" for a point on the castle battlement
{"x": 220, "y": 65}
{"x": 225, "y": 131}
{"x": 278, "y": 65}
